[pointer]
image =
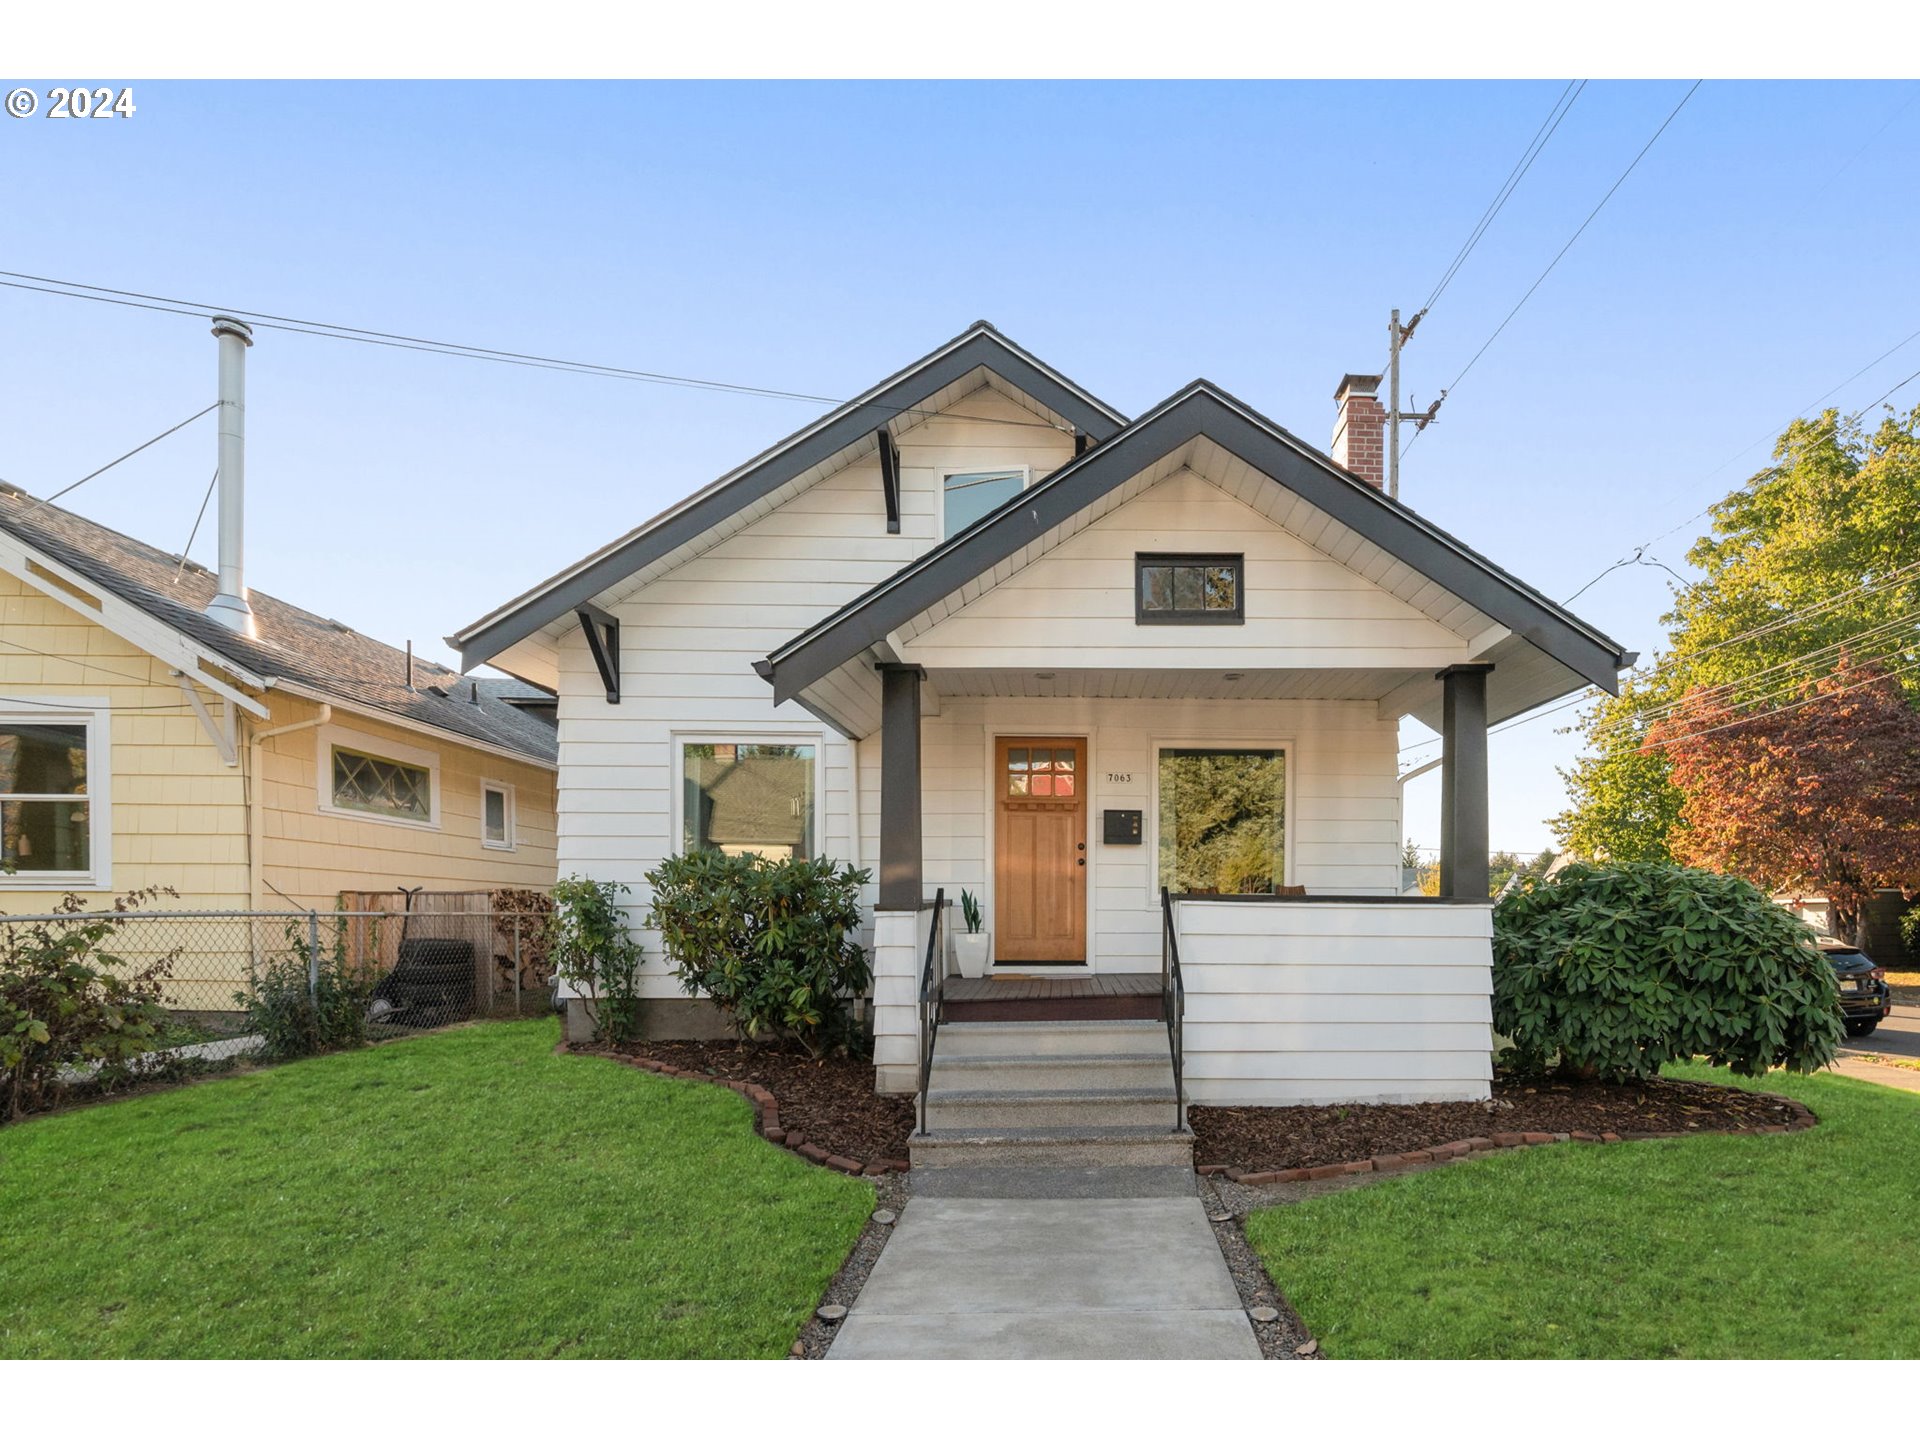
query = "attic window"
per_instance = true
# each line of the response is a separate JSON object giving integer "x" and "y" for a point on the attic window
{"x": 1189, "y": 590}
{"x": 966, "y": 497}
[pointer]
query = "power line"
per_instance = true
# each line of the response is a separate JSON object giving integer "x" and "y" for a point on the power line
{"x": 327, "y": 330}
{"x": 129, "y": 455}
{"x": 1641, "y": 549}
{"x": 1792, "y": 617}
{"x": 1782, "y": 709}
{"x": 1519, "y": 172}
{"x": 1555, "y": 115}
{"x": 81, "y": 664}
{"x": 62, "y": 705}
{"x": 1591, "y": 216}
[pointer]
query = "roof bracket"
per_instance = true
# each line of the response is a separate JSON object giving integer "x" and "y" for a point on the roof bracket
{"x": 222, "y": 731}
{"x": 890, "y": 476}
{"x": 603, "y": 643}
{"x": 1082, "y": 442}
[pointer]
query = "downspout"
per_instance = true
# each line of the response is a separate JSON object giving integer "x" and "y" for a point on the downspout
{"x": 256, "y": 799}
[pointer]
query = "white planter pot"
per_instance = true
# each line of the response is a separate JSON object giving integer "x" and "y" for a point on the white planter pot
{"x": 973, "y": 952}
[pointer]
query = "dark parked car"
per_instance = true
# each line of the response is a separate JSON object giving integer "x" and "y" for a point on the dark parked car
{"x": 1864, "y": 993}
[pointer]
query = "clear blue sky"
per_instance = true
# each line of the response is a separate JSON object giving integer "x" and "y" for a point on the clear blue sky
{"x": 814, "y": 237}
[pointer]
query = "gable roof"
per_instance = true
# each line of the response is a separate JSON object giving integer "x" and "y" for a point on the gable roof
{"x": 897, "y": 398}
{"x": 1199, "y": 410}
{"x": 293, "y": 647}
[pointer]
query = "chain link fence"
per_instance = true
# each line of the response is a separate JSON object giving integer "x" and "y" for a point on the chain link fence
{"x": 412, "y": 970}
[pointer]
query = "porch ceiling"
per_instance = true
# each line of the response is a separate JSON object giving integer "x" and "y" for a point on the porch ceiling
{"x": 1172, "y": 684}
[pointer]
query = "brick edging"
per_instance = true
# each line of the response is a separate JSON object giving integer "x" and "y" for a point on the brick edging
{"x": 1803, "y": 1119}
{"x": 766, "y": 1112}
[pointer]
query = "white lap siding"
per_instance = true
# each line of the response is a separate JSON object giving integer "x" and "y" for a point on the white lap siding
{"x": 688, "y": 641}
{"x": 1312, "y": 1003}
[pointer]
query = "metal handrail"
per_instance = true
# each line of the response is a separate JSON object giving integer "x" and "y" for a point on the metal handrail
{"x": 1173, "y": 1008}
{"x": 932, "y": 1000}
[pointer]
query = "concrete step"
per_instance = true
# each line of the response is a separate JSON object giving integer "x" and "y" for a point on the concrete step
{"x": 1051, "y": 1037}
{"x": 1079, "y": 1110}
{"x": 1060, "y": 1074}
{"x": 1017, "y": 1148}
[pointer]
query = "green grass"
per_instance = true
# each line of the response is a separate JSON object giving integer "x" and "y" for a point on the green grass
{"x": 1767, "y": 1246}
{"x": 461, "y": 1194}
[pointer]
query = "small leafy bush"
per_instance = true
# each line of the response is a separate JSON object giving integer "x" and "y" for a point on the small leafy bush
{"x": 298, "y": 1010}
{"x": 67, "y": 1002}
{"x": 1615, "y": 970}
{"x": 768, "y": 941}
{"x": 593, "y": 951}
{"x": 1910, "y": 928}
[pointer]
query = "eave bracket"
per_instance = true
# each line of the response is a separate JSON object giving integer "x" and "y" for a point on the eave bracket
{"x": 603, "y": 643}
{"x": 890, "y": 476}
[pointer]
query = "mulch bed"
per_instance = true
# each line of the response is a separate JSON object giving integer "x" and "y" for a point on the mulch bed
{"x": 1286, "y": 1137}
{"x": 830, "y": 1101}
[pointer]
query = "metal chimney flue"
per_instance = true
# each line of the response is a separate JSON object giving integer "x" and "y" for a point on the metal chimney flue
{"x": 229, "y": 604}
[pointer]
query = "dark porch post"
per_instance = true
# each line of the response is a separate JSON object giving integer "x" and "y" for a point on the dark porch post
{"x": 1463, "y": 782}
{"x": 900, "y": 881}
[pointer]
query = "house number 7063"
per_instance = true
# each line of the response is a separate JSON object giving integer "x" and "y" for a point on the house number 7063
{"x": 1119, "y": 777}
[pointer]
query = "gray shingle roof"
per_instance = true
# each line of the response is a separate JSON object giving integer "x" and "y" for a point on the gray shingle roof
{"x": 293, "y": 645}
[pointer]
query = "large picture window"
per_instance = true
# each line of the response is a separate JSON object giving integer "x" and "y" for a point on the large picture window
{"x": 748, "y": 798}
{"x": 46, "y": 812}
{"x": 1223, "y": 820}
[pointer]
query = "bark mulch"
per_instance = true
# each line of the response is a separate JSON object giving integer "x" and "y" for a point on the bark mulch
{"x": 830, "y": 1100}
{"x": 1286, "y": 1137}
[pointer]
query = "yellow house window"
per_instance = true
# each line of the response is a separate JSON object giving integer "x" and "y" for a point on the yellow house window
{"x": 47, "y": 829}
{"x": 381, "y": 787}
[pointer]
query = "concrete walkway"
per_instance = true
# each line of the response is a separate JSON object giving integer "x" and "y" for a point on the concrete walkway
{"x": 1033, "y": 1277}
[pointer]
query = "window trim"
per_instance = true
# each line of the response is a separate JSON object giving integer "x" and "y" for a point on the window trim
{"x": 1145, "y": 558}
{"x": 1285, "y": 744}
{"x": 96, "y": 713}
{"x": 1026, "y": 483}
{"x": 326, "y": 737}
{"x": 680, "y": 739}
{"x": 510, "y": 809}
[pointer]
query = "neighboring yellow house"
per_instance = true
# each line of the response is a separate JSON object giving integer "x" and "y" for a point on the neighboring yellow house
{"x": 144, "y": 744}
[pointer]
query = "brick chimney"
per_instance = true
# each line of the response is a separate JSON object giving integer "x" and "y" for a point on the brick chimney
{"x": 1358, "y": 429}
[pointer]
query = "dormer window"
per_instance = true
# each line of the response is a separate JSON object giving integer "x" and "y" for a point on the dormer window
{"x": 1190, "y": 589}
{"x": 970, "y": 494}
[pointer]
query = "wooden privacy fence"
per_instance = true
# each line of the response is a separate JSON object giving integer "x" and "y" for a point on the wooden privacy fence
{"x": 505, "y": 928}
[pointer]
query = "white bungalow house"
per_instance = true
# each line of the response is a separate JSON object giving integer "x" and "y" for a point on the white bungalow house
{"x": 1134, "y": 683}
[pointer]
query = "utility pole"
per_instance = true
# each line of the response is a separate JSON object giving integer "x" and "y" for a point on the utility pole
{"x": 1397, "y": 336}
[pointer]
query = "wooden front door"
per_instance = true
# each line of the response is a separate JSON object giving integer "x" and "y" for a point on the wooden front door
{"x": 1040, "y": 852}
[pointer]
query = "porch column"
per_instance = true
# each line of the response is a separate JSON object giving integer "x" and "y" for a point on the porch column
{"x": 1463, "y": 782}
{"x": 900, "y": 877}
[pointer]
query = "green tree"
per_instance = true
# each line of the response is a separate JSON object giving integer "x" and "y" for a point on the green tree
{"x": 1832, "y": 523}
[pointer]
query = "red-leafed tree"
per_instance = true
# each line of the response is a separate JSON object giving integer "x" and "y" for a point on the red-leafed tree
{"x": 1821, "y": 791}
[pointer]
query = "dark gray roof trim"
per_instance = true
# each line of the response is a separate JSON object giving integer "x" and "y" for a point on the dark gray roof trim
{"x": 1199, "y": 409}
{"x": 979, "y": 347}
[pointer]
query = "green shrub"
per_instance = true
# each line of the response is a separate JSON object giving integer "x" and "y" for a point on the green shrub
{"x": 594, "y": 952}
{"x": 66, "y": 1002}
{"x": 1910, "y": 928}
{"x": 299, "y": 1009}
{"x": 1616, "y": 970}
{"x": 768, "y": 941}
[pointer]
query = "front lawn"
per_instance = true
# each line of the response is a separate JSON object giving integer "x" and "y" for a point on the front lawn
{"x": 1714, "y": 1246}
{"x": 461, "y": 1194}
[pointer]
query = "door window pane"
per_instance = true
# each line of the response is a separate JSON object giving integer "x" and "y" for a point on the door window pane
{"x": 972, "y": 495}
{"x": 749, "y": 799}
{"x": 1223, "y": 821}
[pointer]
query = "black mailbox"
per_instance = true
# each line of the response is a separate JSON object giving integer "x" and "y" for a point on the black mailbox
{"x": 1122, "y": 827}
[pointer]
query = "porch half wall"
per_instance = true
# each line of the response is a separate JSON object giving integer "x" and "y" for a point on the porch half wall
{"x": 1330, "y": 1001}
